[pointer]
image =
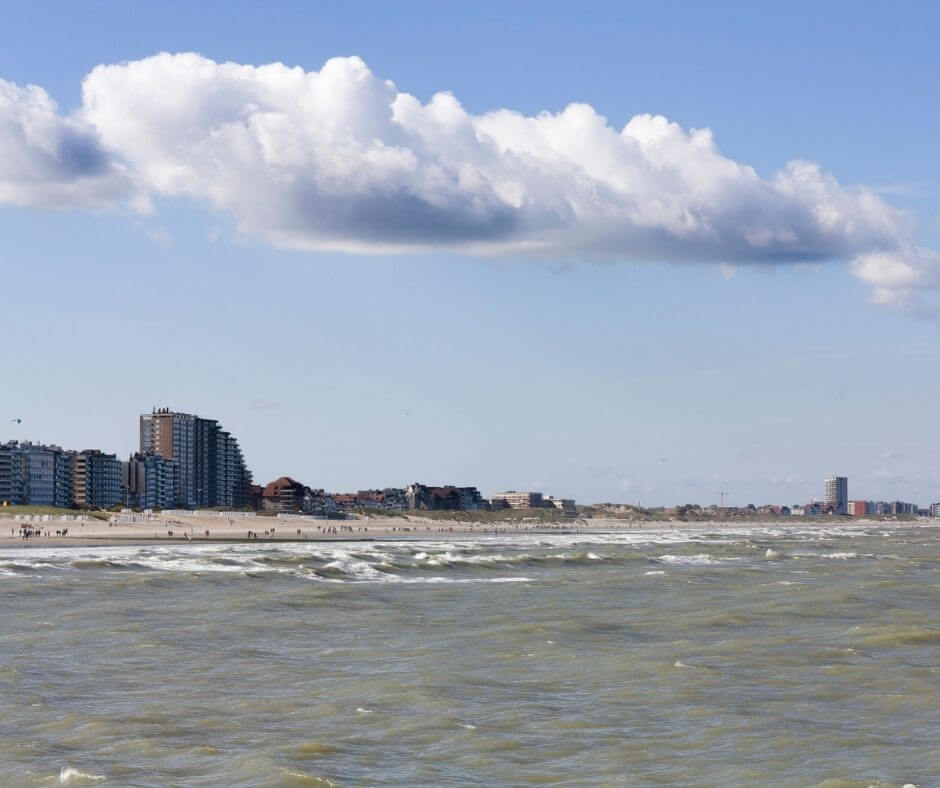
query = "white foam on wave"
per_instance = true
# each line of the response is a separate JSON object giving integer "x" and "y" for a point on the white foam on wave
{"x": 655, "y": 572}
{"x": 69, "y": 775}
{"x": 849, "y": 556}
{"x": 394, "y": 561}
{"x": 699, "y": 559}
{"x": 186, "y": 565}
{"x": 450, "y": 557}
{"x": 395, "y": 579}
{"x": 361, "y": 710}
{"x": 353, "y": 567}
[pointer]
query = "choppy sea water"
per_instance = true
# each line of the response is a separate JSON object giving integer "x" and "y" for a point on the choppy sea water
{"x": 757, "y": 656}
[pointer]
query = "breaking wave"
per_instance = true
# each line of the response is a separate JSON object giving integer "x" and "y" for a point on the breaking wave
{"x": 478, "y": 558}
{"x": 699, "y": 559}
{"x": 70, "y": 776}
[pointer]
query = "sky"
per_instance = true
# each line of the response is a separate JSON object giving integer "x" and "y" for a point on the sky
{"x": 636, "y": 252}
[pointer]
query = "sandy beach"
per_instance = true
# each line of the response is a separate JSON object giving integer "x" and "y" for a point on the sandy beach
{"x": 201, "y": 528}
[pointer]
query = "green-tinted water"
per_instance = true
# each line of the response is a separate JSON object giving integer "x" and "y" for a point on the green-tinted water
{"x": 632, "y": 658}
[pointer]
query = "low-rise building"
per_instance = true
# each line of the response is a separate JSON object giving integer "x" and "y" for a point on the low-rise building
{"x": 565, "y": 504}
{"x": 391, "y": 499}
{"x": 774, "y": 510}
{"x": 808, "y": 510}
{"x": 286, "y": 495}
{"x": 519, "y": 500}
{"x": 935, "y": 510}
{"x": 345, "y": 500}
{"x": 283, "y": 495}
{"x": 858, "y": 508}
{"x": 318, "y": 502}
{"x": 902, "y": 507}
{"x": 448, "y": 497}
{"x": 470, "y": 499}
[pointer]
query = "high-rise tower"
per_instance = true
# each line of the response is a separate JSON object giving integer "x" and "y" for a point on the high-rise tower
{"x": 211, "y": 469}
{"x": 837, "y": 493}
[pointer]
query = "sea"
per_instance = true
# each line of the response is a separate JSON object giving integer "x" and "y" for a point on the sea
{"x": 753, "y": 655}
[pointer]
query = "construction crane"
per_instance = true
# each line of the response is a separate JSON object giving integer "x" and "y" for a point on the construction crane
{"x": 723, "y": 494}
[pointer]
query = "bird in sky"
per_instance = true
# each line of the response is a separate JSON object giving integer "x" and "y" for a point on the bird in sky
{"x": 17, "y": 421}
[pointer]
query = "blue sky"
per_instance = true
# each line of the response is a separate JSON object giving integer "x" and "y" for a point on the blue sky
{"x": 566, "y": 372}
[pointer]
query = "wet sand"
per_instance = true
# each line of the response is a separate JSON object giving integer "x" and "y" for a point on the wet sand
{"x": 181, "y": 529}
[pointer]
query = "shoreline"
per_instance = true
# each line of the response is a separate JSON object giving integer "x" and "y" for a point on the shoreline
{"x": 209, "y": 530}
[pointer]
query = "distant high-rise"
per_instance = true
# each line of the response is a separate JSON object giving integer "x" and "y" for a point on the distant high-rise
{"x": 210, "y": 468}
{"x": 35, "y": 474}
{"x": 837, "y": 493}
{"x": 150, "y": 481}
{"x": 96, "y": 480}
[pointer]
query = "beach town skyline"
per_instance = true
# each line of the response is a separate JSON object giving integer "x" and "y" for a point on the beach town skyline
{"x": 159, "y": 474}
{"x": 557, "y": 390}
{"x": 591, "y": 263}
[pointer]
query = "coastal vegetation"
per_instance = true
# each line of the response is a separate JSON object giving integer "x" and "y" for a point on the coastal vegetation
{"x": 693, "y": 513}
{"x": 484, "y": 516}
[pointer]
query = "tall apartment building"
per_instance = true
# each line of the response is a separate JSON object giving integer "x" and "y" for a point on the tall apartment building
{"x": 150, "y": 481}
{"x": 210, "y": 466}
{"x": 35, "y": 474}
{"x": 837, "y": 493}
{"x": 10, "y": 474}
{"x": 96, "y": 480}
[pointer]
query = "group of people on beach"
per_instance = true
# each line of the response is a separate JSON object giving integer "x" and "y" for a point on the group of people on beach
{"x": 28, "y": 532}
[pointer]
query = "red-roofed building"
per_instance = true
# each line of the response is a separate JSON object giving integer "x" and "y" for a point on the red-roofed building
{"x": 345, "y": 500}
{"x": 283, "y": 495}
{"x": 288, "y": 495}
{"x": 389, "y": 499}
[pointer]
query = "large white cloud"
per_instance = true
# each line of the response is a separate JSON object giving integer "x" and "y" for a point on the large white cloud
{"x": 50, "y": 161}
{"x": 340, "y": 159}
